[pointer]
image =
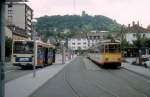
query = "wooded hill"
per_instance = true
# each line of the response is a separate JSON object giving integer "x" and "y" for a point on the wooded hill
{"x": 74, "y": 24}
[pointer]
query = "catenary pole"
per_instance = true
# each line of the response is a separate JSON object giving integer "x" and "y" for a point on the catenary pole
{"x": 2, "y": 46}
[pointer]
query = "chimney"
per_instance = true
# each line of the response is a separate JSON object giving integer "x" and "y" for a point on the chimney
{"x": 133, "y": 23}
{"x": 138, "y": 23}
{"x": 128, "y": 25}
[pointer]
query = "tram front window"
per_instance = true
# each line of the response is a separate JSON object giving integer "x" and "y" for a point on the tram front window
{"x": 23, "y": 47}
{"x": 112, "y": 48}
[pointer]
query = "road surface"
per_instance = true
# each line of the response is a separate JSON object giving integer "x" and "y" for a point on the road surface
{"x": 75, "y": 80}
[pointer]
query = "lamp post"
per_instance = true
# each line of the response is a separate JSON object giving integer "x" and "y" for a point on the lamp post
{"x": 63, "y": 51}
{"x": 33, "y": 36}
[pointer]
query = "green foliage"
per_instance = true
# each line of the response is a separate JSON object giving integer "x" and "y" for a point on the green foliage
{"x": 125, "y": 44}
{"x": 8, "y": 47}
{"x": 54, "y": 25}
{"x": 147, "y": 42}
{"x": 140, "y": 40}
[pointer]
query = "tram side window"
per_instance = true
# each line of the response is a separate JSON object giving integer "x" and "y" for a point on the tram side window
{"x": 106, "y": 48}
{"x": 101, "y": 47}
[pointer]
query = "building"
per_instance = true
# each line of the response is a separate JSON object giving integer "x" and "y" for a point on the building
{"x": 84, "y": 41}
{"x": 19, "y": 15}
{"x": 95, "y": 37}
{"x": 78, "y": 42}
{"x": 51, "y": 40}
{"x": 130, "y": 34}
{"x": 8, "y": 32}
{"x": 130, "y": 37}
{"x": 17, "y": 33}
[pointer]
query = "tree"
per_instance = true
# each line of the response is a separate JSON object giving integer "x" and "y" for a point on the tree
{"x": 8, "y": 47}
{"x": 147, "y": 42}
{"x": 46, "y": 25}
{"x": 139, "y": 43}
{"x": 140, "y": 40}
{"x": 125, "y": 44}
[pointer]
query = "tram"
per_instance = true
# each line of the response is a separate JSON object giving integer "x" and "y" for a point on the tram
{"x": 27, "y": 52}
{"x": 106, "y": 53}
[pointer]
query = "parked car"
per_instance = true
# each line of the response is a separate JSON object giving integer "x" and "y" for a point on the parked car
{"x": 146, "y": 63}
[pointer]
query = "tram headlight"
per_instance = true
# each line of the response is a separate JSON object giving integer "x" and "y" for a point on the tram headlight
{"x": 119, "y": 59}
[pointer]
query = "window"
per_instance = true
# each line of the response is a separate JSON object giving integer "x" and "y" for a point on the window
{"x": 112, "y": 48}
{"x": 73, "y": 43}
{"x": 23, "y": 47}
{"x": 10, "y": 5}
{"x": 10, "y": 19}
{"x": 79, "y": 39}
{"x": 10, "y": 12}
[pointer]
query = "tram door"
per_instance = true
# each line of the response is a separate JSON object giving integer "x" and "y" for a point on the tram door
{"x": 46, "y": 56}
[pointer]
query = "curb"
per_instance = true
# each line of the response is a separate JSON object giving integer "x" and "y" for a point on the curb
{"x": 23, "y": 90}
{"x": 136, "y": 72}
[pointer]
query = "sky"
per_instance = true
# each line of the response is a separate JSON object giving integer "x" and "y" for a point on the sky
{"x": 123, "y": 11}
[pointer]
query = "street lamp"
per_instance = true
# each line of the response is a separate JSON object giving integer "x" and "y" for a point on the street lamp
{"x": 33, "y": 36}
{"x": 63, "y": 51}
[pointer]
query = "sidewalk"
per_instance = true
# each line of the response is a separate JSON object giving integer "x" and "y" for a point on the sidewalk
{"x": 130, "y": 60}
{"x": 26, "y": 85}
{"x": 137, "y": 69}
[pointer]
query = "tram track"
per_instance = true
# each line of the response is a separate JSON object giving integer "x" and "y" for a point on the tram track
{"x": 69, "y": 84}
{"x": 100, "y": 87}
{"x": 129, "y": 82}
{"x": 79, "y": 92}
{"x": 110, "y": 72}
{"x": 76, "y": 80}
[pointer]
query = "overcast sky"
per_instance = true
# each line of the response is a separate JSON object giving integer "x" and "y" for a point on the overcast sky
{"x": 123, "y": 11}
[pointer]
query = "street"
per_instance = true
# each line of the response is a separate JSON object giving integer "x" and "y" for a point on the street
{"x": 80, "y": 79}
{"x": 14, "y": 72}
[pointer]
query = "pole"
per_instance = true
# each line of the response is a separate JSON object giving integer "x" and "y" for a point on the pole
{"x": 140, "y": 55}
{"x": 35, "y": 53}
{"x": 63, "y": 52}
{"x": 2, "y": 46}
{"x": 63, "y": 58}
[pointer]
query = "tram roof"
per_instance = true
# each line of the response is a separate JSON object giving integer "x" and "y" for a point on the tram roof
{"x": 110, "y": 41}
{"x": 39, "y": 42}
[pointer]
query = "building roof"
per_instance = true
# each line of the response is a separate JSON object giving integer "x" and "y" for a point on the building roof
{"x": 79, "y": 36}
{"x": 94, "y": 34}
{"x": 18, "y": 31}
{"x": 18, "y": 3}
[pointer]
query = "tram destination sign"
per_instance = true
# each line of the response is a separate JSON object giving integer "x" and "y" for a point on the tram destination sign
{"x": 23, "y": 59}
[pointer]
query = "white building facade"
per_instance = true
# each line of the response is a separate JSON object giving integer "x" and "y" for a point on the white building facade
{"x": 94, "y": 38}
{"x": 130, "y": 37}
{"x": 78, "y": 43}
{"x": 85, "y": 41}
